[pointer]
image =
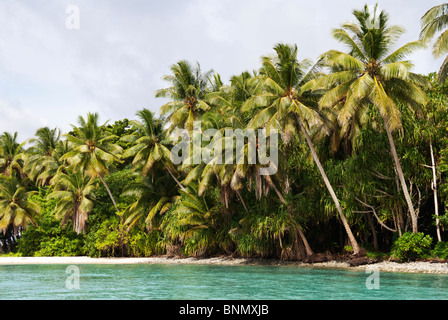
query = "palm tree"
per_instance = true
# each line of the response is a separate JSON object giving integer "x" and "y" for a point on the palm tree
{"x": 287, "y": 101}
{"x": 193, "y": 222}
{"x": 75, "y": 194}
{"x": 153, "y": 197}
{"x": 433, "y": 21}
{"x": 231, "y": 176}
{"x": 51, "y": 165}
{"x": 371, "y": 75}
{"x": 92, "y": 150}
{"x": 11, "y": 154}
{"x": 151, "y": 145}
{"x": 227, "y": 101}
{"x": 16, "y": 206}
{"x": 187, "y": 92}
{"x": 41, "y": 155}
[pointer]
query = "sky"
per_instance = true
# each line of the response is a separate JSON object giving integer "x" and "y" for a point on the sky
{"x": 109, "y": 56}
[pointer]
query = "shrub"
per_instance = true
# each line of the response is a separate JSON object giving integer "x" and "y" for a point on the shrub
{"x": 348, "y": 249}
{"x": 112, "y": 239}
{"x": 108, "y": 240}
{"x": 411, "y": 246}
{"x": 49, "y": 238}
{"x": 441, "y": 250}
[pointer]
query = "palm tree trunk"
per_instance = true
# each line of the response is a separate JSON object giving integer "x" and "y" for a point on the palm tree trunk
{"x": 400, "y": 174}
{"x": 349, "y": 232}
{"x": 373, "y": 229}
{"x": 242, "y": 200}
{"x": 309, "y": 251}
{"x": 108, "y": 191}
{"x": 272, "y": 185}
{"x": 175, "y": 179}
{"x": 434, "y": 189}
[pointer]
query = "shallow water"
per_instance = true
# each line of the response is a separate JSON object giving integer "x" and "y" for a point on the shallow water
{"x": 212, "y": 282}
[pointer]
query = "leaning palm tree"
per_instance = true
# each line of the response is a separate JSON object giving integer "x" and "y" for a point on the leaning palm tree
{"x": 288, "y": 101}
{"x": 75, "y": 194}
{"x": 433, "y": 21}
{"x": 370, "y": 74}
{"x": 16, "y": 205}
{"x": 187, "y": 92}
{"x": 92, "y": 150}
{"x": 151, "y": 145}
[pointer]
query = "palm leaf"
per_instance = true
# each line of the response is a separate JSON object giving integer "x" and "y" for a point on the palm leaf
{"x": 403, "y": 51}
{"x": 440, "y": 46}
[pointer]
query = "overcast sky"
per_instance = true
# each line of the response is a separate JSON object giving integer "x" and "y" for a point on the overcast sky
{"x": 112, "y": 64}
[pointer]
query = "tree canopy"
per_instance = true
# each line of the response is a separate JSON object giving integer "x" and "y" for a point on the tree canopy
{"x": 361, "y": 159}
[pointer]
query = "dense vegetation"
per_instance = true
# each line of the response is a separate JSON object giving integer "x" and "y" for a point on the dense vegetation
{"x": 362, "y": 161}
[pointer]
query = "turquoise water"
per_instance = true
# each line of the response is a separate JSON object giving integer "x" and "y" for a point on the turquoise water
{"x": 207, "y": 282}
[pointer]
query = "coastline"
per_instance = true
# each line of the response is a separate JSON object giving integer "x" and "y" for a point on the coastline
{"x": 384, "y": 266}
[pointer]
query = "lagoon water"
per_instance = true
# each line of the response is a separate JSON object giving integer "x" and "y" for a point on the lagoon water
{"x": 212, "y": 282}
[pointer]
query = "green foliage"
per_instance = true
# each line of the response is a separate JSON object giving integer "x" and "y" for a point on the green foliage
{"x": 348, "y": 249}
{"x": 49, "y": 238}
{"x": 108, "y": 240}
{"x": 346, "y": 106}
{"x": 441, "y": 250}
{"x": 197, "y": 226}
{"x": 117, "y": 182}
{"x": 412, "y": 246}
{"x": 143, "y": 244}
{"x": 112, "y": 239}
{"x": 119, "y": 129}
{"x": 443, "y": 219}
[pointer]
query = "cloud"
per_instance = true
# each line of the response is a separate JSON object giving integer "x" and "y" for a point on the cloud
{"x": 14, "y": 114}
{"x": 114, "y": 63}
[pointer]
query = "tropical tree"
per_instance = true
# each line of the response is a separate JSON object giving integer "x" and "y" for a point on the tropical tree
{"x": 92, "y": 150}
{"x": 75, "y": 195}
{"x": 40, "y": 157}
{"x": 433, "y": 21}
{"x": 371, "y": 74}
{"x": 11, "y": 154}
{"x": 288, "y": 101}
{"x": 195, "y": 224}
{"x": 16, "y": 206}
{"x": 150, "y": 145}
{"x": 154, "y": 197}
{"x": 227, "y": 101}
{"x": 53, "y": 164}
{"x": 230, "y": 172}
{"x": 187, "y": 91}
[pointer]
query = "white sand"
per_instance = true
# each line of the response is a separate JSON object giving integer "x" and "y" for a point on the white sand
{"x": 88, "y": 260}
{"x": 411, "y": 267}
{"x": 385, "y": 266}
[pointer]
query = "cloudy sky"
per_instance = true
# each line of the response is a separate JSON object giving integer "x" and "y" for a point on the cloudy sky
{"x": 112, "y": 64}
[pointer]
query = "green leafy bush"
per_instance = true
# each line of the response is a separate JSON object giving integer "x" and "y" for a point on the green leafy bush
{"x": 112, "y": 239}
{"x": 49, "y": 238}
{"x": 441, "y": 250}
{"x": 411, "y": 246}
{"x": 108, "y": 240}
{"x": 142, "y": 244}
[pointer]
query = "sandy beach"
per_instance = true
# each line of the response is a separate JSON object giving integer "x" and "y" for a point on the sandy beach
{"x": 384, "y": 266}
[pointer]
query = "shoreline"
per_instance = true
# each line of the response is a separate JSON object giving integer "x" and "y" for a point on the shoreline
{"x": 384, "y": 266}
